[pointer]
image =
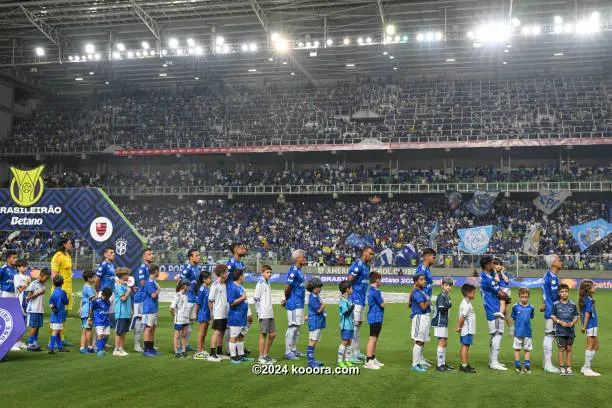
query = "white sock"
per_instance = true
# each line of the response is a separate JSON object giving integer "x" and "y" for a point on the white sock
{"x": 296, "y": 338}
{"x": 289, "y": 339}
{"x": 349, "y": 353}
{"x": 494, "y": 351}
{"x": 233, "y": 349}
{"x": 356, "y": 338}
{"x": 547, "y": 348}
{"x": 588, "y": 357}
{"x": 341, "y": 351}
{"x": 226, "y": 338}
{"x": 137, "y": 332}
{"x": 441, "y": 356}
{"x": 416, "y": 354}
{"x": 189, "y": 328}
{"x": 240, "y": 348}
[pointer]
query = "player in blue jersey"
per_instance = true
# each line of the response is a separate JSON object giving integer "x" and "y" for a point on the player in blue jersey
{"x": 57, "y": 303}
{"x": 99, "y": 316}
{"x": 237, "y": 317}
{"x": 491, "y": 293}
{"x": 239, "y": 250}
{"x": 141, "y": 278}
{"x": 565, "y": 315}
{"x": 7, "y": 275}
{"x": 550, "y": 286}
{"x": 522, "y": 314}
{"x": 440, "y": 322}
{"x": 191, "y": 273}
{"x": 295, "y": 296}
{"x": 359, "y": 275}
{"x": 150, "y": 309}
{"x": 429, "y": 258}
{"x": 421, "y": 321}
{"x": 88, "y": 295}
{"x": 588, "y": 315}
{"x": 105, "y": 278}
{"x": 376, "y": 314}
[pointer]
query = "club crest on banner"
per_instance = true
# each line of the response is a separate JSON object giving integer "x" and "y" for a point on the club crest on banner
{"x": 6, "y": 325}
{"x": 27, "y": 186}
{"x": 101, "y": 229}
{"x": 475, "y": 240}
{"x": 121, "y": 246}
{"x": 589, "y": 233}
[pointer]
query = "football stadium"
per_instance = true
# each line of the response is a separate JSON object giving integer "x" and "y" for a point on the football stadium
{"x": 262, "y": 203}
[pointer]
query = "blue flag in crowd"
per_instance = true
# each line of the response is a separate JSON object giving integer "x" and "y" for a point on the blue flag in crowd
{"x": 482, "y": 202}
{"x": 475, "y": 240}
{"x": 385, "y": 258}
{"x": 433, "y": 235}
{"x": 354, "y": 240}
{"x": 548, "y": 201}
{"x": 589, "y": 233}
{"x": 454, "y": 198}
{"x": 405, "y": 255}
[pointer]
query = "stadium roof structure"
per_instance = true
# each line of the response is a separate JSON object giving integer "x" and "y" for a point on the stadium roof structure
{"x": 76, "y": 44}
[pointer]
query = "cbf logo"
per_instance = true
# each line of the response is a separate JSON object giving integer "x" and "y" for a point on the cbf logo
{"x": 27, "y": 186}
{"x": 6, "y": 325}
{"x": 121, "y": 246}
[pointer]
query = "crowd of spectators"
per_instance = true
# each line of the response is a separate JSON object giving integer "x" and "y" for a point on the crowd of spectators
{"x": 272, "y": 230}
{"x": 322, "y": 175}
{"x": 426, "y": 110}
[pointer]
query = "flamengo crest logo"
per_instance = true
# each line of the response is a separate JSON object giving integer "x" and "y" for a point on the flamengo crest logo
{"x": 27, "y": 186}
{"x": 101, "y": 229}
{"x": 121, "y": 246}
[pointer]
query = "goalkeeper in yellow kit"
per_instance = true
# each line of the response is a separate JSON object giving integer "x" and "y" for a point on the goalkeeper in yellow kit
{"x": 61, "y": 264}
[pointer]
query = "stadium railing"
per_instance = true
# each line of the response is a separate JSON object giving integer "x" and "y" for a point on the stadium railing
{"x": 359, "y": 189}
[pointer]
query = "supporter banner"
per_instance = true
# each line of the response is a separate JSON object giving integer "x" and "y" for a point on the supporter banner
{"x": 531, "y": 242}
{"x": 358, "y": 241}
{"x": 589, "y": 233}
{"x": 433, "y": 236}
{"x": 482, "y": 202}
{"x": 454, "y": 199}
{"x": 368, "y": 146}
{"x": 475, "y": 240}
{"x": 12, "y": 325}
{"x": 548, "y": 201}
{"x": 404, "y": 256}
{"x": 27, "y": 205}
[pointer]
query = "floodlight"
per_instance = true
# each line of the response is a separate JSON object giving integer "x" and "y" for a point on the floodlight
{"x": 350, "y": 65}
{"x": 396, "y": 38}
{"x": 316, "y": 44}
{"x": 145, "y": 45}
{"x": 226, "y": 48}
{"x": 40, "y": 51}
{"x": 252, "y": 70}
{"x": 329, "y": 42}
{"x": 390, "y": 29}
{"x": 438, "y": 35}
{"x": 173, "y": 43}
{"x": 179, "y": 51}
{"x": 116, "y": 55}
{"x": 281, "y": 45}
{"x": 359, "y": 40}
{"x": 346, "y": 41}
{"x": 429, "y": 36}
{"x": 138, "y": 54}
{"x": 275, "y": 37}
{"x": 244, "y": 47}
{"x": 516, "y": 22}
{"x": 308, "y": 44}
{"x": 98, "y": 57}
{"x": 190, "y": 42}
{"x": 420, "y": 37}
{"x": 78, "y": 79}
{"x": 163, "y": 74}
{"x": 120, "y": 47}
{"x": 369, "y": 40}
{"x": 83, "y": 58}
{"x": 595, "y": 15}
{"x": 199, "y": 50}
{"x": 130, "y": 54}
{"x": 252, "y": 47}
{"x": 558, "y": 19}
{"x": 70, "y": 58}
{"x": 89, "y": 48}
{"x": 91, "y": 73}
{"x": 535, "y": 30}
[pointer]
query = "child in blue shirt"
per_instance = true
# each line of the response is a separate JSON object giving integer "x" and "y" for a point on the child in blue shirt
{"x": 588, "y": 315}
{"x": 202, "y": 312}
{"x": 376, "y": 314}
{"x": 421, "y": 321}
{"x": 237, "y": 317}
{"x": 57, "y": 303}
{"x": 99, "y": 316}
{"x": 522, "y": 313}
{"x": 150, "y": 308}
{"x": 316, "y": 319}
{"x": 88, "y": 295}
{"x": 440, "y": 323}
{"x": 346, "y": 308}
{"x": 123, "y": 310}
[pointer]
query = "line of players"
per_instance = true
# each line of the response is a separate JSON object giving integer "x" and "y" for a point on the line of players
{"x": 196, "y": 298}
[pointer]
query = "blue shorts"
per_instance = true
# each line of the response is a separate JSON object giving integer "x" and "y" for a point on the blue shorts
{"x": 122, "y": 325}
{"x": 467, "y": 340}
{"x": 34, "y": 319}
{"x": 347, "y": 334}
{"x": 202, "y": 318}
{"x": 85, "y": 324}
{"x": 180, "y": 327}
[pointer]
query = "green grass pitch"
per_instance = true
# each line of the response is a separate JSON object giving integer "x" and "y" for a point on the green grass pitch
{"x": 75, "y": 380}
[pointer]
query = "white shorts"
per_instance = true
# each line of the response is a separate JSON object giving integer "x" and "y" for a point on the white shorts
{"x": 314, "y": 335}
{"x": 441, "y": 332}
{"x": 149, "y": 319}
{"x": 592, "y": 332}
{"x": 522, "y": 343}
{"x": 359, "y": 314}
{"x": 137, "y": 310}
{"x": 295, "y": 317}
{"x": 549, "y": 327}
{"x": 237, "y": 331}
{"x": 190, "y": 311}
{"x": 420, "y": 327}
{"x": 56, "y": 326}
{"x": 496, "y": 326}
{"x": 103, "y": 330}
{"x": 4, "y": 294}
